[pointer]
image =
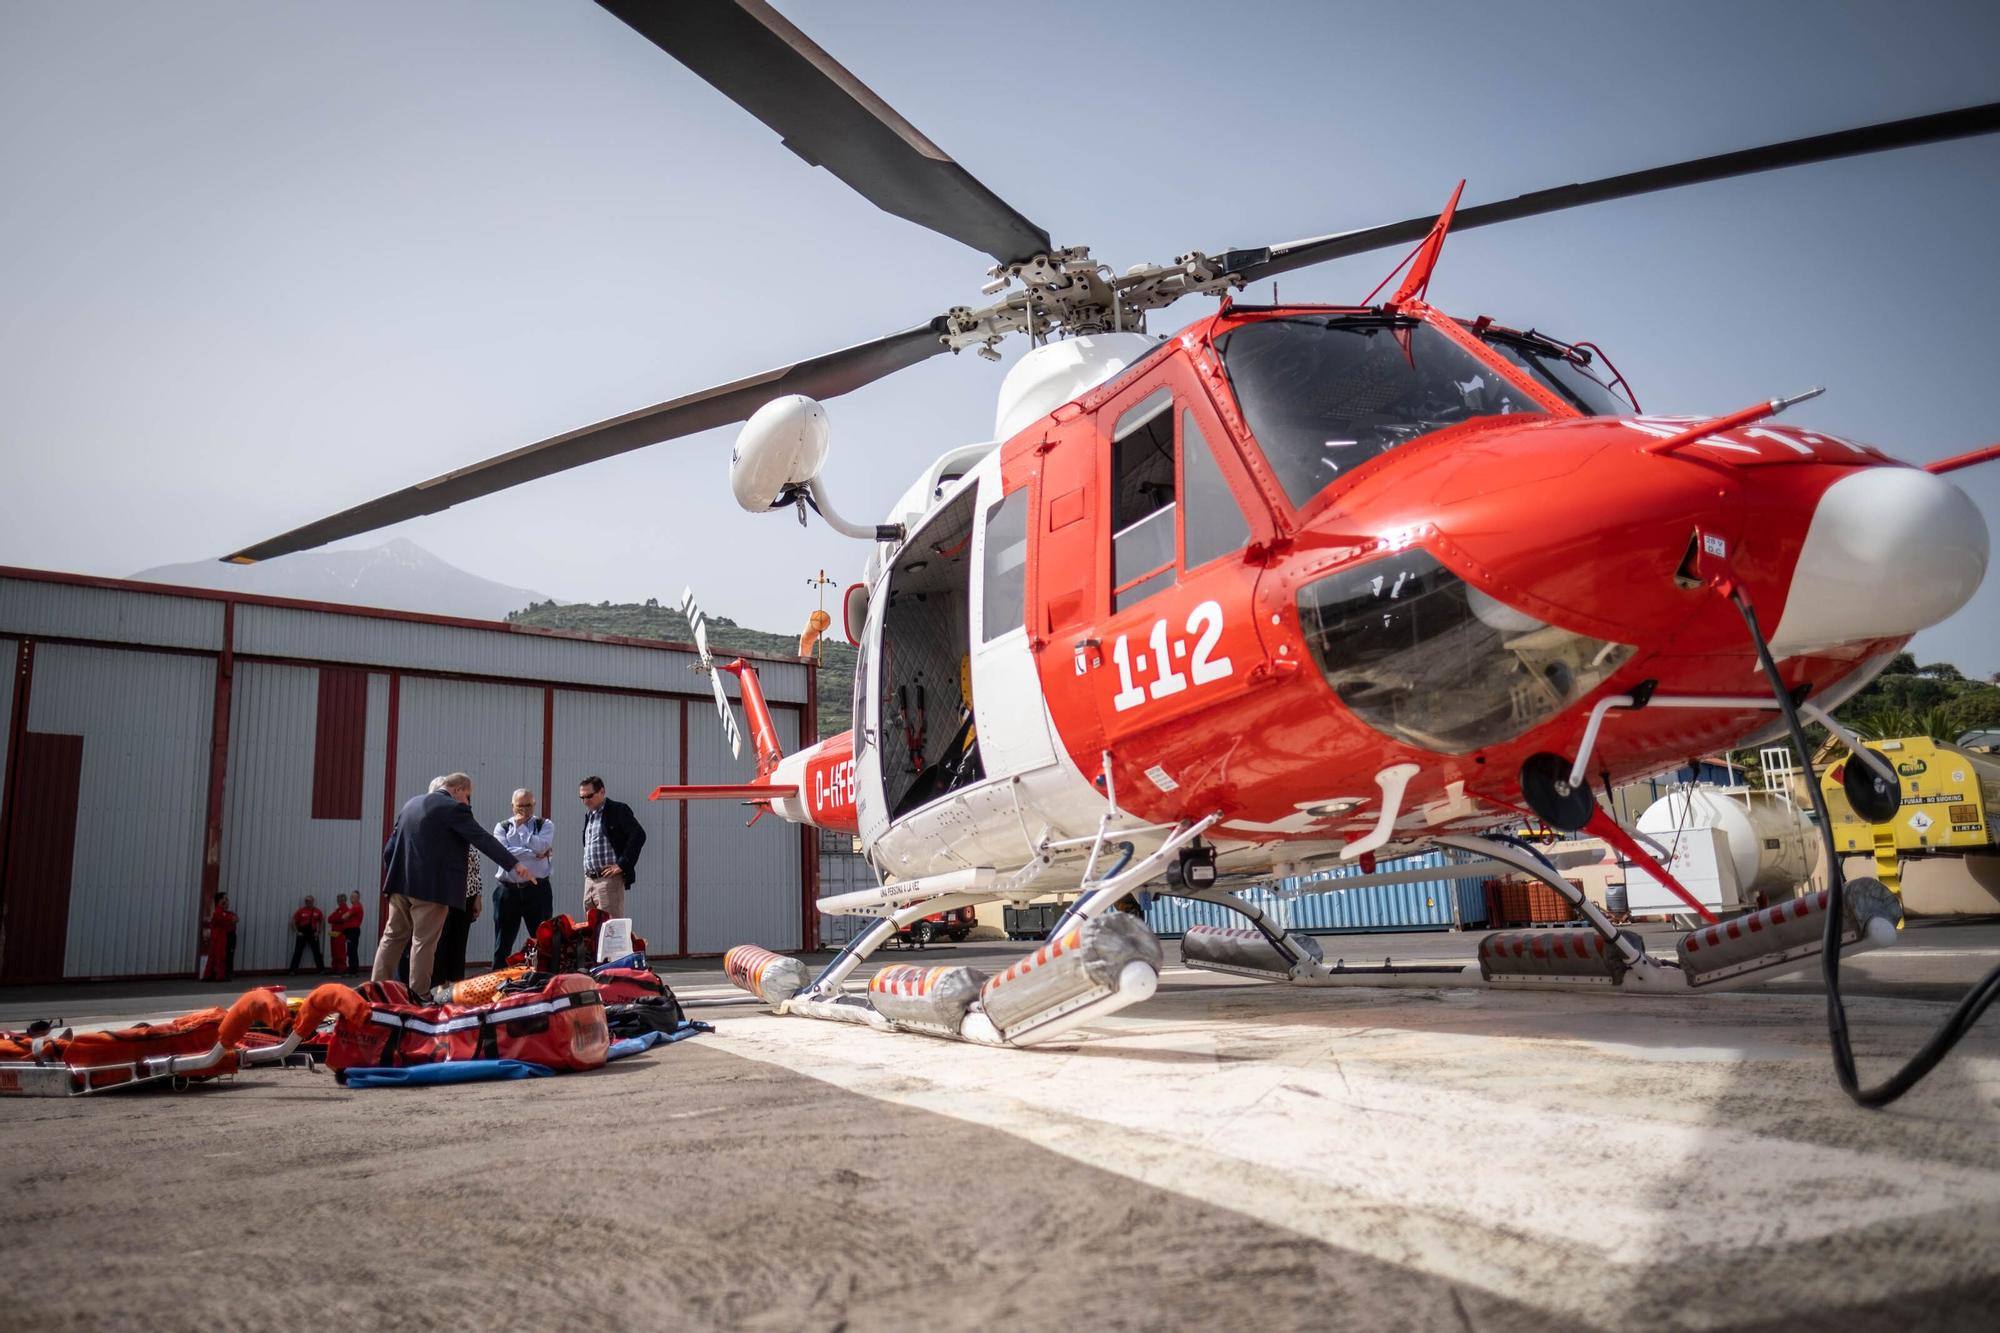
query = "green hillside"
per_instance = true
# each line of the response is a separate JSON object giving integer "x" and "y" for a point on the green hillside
{"x": 654, "y": 621}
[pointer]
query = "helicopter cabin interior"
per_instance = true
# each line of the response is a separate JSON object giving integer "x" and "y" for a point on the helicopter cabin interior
{"x": 929, "y": 743}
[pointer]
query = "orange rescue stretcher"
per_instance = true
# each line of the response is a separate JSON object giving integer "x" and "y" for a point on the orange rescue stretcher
{"x": 205, "y": 1044}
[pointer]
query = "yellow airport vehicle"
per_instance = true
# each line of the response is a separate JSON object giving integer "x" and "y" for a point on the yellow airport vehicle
{"x": 1950, "y": 801}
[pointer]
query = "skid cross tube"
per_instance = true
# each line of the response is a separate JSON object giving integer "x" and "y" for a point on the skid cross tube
{"x": 1579, "y": 771}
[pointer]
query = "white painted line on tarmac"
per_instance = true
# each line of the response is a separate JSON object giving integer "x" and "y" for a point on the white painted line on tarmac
{"x": 1301, "y": 1126}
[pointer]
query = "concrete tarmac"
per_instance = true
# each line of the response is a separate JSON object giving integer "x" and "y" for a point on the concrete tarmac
{"x": 1229, "y": 1153}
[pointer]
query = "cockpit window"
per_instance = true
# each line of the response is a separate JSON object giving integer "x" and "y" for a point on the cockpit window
{"x": 1323, "y": 394}
{"x": 1569, "y": 380}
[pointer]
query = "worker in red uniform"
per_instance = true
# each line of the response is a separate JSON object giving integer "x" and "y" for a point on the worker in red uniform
{"x": 221, "y": 930}
{"x": 345, "y": 923}
{"x": 306, "y": 923}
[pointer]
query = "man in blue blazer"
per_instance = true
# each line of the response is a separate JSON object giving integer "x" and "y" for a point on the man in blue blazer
{"x": 423, "y": 872}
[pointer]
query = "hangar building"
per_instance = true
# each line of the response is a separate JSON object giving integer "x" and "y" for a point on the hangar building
{"x": 163, "y": 743}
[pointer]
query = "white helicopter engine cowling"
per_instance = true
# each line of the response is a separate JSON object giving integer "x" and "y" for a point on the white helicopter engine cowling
{"x": 782, "y": 445}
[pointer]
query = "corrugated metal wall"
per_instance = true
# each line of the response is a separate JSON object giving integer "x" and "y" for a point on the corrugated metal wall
{"x": 276, "y": 631}
{"x": 1425, "y": 905}
{"x": 634, "y": 744}
{"x": 145, "y": 717}
{"x": 493, "y": 733}
{"x": 68, "y": 611}
{"x": 743, "y": 884}
{"x": 273, "y": 851}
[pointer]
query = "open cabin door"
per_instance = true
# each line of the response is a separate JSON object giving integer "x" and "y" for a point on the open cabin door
{"x": 1012, "y": 721}
{"x": 923, "y": 741}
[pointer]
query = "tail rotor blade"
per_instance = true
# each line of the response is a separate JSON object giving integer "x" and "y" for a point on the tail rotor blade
{"x": 699, "y": 624}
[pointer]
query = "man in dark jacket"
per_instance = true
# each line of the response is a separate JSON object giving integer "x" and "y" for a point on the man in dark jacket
{"x": 423, "y": 872}
{"x": 612, "y": 839}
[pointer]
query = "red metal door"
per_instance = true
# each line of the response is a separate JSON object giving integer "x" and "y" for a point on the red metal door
{"x": 41, "y": 846}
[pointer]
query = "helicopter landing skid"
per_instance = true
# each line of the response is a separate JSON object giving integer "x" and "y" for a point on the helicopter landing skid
{"x": 1096, "y": 962}
{"x": 1721, "y": 957}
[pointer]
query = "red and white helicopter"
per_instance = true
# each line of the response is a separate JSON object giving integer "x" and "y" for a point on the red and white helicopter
{"x": 1290, "y": 587}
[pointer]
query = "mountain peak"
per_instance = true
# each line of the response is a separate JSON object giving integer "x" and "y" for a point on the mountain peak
{"x": 396, "y": 575}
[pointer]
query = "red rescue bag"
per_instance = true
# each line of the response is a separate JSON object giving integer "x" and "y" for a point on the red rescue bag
{"x": 553, "y": 1021}
{"x": 559, "y": 1024}
{"x": 622, "y": 985}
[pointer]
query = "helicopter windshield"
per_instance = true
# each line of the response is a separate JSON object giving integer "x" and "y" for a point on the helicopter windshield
{"x": 1570, "y": 380}
{"x": 1323, "y": 394}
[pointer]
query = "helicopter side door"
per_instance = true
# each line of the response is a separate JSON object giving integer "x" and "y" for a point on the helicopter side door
{"x": 1166, "y": 626}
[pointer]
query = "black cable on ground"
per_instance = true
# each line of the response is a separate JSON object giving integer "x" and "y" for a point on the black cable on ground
{"x": 1969, "y": 1008}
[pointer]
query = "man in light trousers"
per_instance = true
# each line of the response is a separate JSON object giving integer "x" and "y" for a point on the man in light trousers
{"x": 423, "y": 872}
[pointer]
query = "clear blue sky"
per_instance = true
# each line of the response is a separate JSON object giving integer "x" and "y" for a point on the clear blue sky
{"x": 261, "y": 261}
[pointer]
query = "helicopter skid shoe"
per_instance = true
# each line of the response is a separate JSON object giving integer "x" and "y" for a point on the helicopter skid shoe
{"x": 773, "y": 978}
{"x": 1751, "y": 948}
{"x": 1090, "y": 971}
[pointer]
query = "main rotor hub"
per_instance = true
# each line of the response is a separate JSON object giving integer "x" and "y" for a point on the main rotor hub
{"x": 1068, "y": 293}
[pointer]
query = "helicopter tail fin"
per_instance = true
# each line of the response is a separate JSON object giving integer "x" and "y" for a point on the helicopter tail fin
{"x": 763, "y": 732}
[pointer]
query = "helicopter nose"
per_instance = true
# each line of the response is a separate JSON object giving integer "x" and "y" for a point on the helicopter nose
{"x": 1890, "y": 551}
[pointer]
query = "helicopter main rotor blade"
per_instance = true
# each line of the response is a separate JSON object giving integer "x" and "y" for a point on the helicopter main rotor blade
{"x": 758, "y": 60}
{"x": 1252, "y": 265}
{"x": 821, "y": 377}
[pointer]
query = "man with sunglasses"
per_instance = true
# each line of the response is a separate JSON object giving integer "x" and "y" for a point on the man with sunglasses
{"x": 612, "y": 839}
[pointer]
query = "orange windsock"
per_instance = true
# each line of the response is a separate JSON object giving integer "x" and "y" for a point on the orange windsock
{"x": 332, "y": 998}
{"x": 816, "y": 624}
{"x": 252, "y": 1008}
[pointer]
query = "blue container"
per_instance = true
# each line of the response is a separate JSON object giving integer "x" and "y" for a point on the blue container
{"x": 1302, "y": 904}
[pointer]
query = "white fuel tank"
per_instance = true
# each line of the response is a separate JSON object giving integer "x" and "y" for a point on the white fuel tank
{"x": 1770, "y": 841}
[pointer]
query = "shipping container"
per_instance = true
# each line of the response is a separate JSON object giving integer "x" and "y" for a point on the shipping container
{"x": 842, "y": 870}
{"x": 1306, "y": 905}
